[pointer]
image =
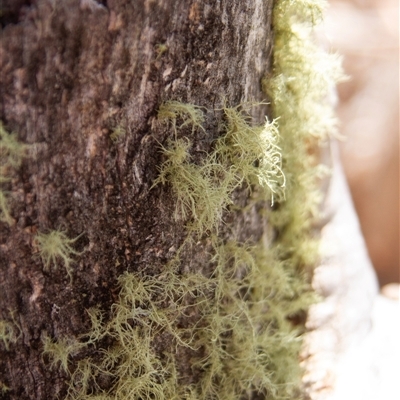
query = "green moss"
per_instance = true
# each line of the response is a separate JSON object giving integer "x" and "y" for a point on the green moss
{"x": 56, "y": 245}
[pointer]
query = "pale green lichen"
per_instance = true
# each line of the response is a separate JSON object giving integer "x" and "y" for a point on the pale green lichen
{"x": 188, "y": 114}
{"x": 7, "y": 333}
{"x": 11, "y": 154}
{"x": 241, "y": 336}
{"x": 60, "y": 351}
{"x": 202, "y": 191}
{"x": 11, "y": 150}
{"x": 300, "y": 87}
{"x": 252, "y": 152}
{"x": 245, "y": 153}
{"x": 54, "y": 246}
{"x": 4, "y": 388}
{"x": 117, "y": 133}
{"x": 161, "y": 48}
{"x": 5, "y": 211}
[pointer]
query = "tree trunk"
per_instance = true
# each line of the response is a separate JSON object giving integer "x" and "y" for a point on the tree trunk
{"x": 74, "y": 75}
{"x": 137, "y": 258}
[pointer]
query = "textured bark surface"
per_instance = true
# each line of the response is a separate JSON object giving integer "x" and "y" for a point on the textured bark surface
{"x": 71, "y": 72}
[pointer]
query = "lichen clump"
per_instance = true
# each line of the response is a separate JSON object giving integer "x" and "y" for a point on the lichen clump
{"x": 197, "y": 188}
{"x": 304, "y": 76}
{"x": 245, "y": 153}
{"x": 11, "y": 154}
{"x": 7, "y": 333}
{"x": 55, "y": 246}
{"x": 252, "y": 153}
{"x": 240, "y": 337}
{"x": 60, "y": 351}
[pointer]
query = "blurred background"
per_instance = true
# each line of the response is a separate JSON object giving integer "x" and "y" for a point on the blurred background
{"x": 366, "y": 33}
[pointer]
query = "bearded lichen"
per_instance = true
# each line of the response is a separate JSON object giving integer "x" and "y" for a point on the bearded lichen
{"x": 241, "y": 337}
{"x": 202, "y": 191}
{"x": 55, "y": 246}
{"x": 300, "y": 87}
{"x": 3, "y": 388}
{"x": 118, "y": 133}
{"x": 252, "y": 153}
{"x": 5, "y": 211}
{"x": 12, "y": 153}
{"x": 188, "y": 114}
{"x": 7, "y": 333}
{"x": 59, "y": 351}
{"x": 10, "y": 332}
{"x": 244, "y": 154}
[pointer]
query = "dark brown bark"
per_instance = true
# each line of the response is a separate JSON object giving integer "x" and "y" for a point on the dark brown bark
{"x": 71, "y": 72}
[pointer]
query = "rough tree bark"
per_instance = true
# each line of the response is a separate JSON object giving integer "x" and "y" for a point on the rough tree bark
{"x": 72, "y": 72}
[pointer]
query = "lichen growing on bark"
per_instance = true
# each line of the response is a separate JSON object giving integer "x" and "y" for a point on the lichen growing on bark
{"x": 300, "y": 87}
{"x": 241, "y": 335}
{"x": 7, "y": 333}
{"x": 244, "y": 154}
{"x": 12, "y": 152}
{"x": 55, "y": 246}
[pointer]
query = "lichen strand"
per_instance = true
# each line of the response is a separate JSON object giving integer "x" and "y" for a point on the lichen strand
{"x": 240, "y": 337}
{"x": 117, "y": 133}
{"x": 59, "y": 351}
{"x": 7, "y": 333}
{"x": 235, "y": 319}
{"x": 11, "y": 150}
{"x": 5, "y": 211}
{"x": 188, "y": 114}
{"x": 245, "y": 154}
{"x": 11, "y": 154}
{"x": 202, "y": 191}
{"x": 252, "y": 153}
{"x": 303, "y": 79}
{"x": 54, "y": 246}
